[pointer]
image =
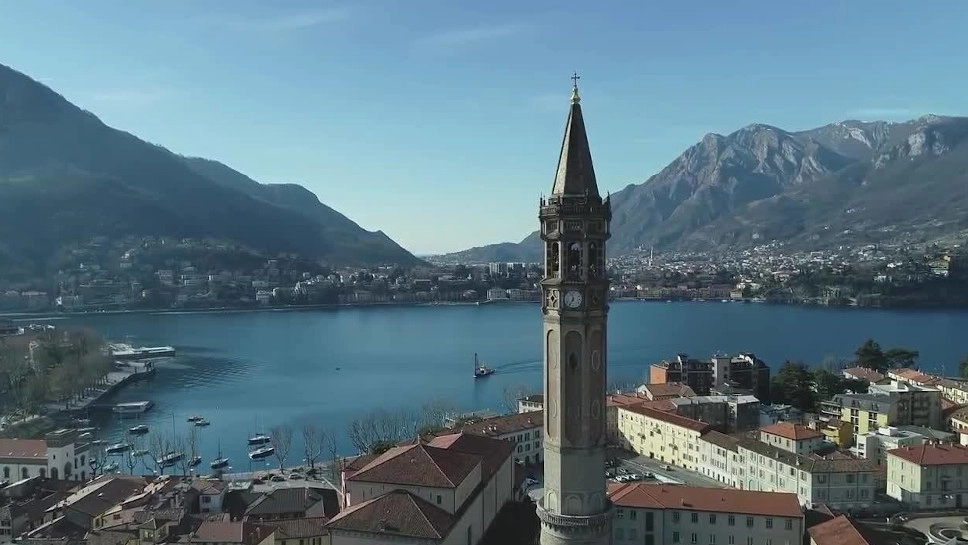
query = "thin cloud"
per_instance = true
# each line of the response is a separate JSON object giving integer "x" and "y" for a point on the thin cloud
{"x": 470, "y": 36}
{"x": 284, "y": 23}
{"x": 882, "y": 113}
{"x": 137, "y": 97}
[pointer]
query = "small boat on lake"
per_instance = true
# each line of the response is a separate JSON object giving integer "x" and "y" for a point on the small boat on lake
{"x": 139, "y": 453}
{"x": 194, "y": 461}
{"x": 201, "y": 422}
{"x": 481, "y": 370}
{"x": 113, "y": 466}
{"x": 262, "y": 452}
{"x": 118, "y": 448}
{"x": 259, "y": 439}
{"x": 170, "y": 459}
{"x": 221, "y": 461}
{"x": 140, "y": 429}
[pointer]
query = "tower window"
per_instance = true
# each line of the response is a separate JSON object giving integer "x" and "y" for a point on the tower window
{"x": 574, "y": 259}
{"x": 551, "y": 260}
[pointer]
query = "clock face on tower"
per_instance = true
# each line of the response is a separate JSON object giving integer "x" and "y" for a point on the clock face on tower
{"x": 573, "y": 299}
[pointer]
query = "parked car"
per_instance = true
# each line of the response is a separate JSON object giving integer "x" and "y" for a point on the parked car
{"x": 295, "y": 477}
{"x": 667, "y": 467}
{"x": 277, "y": 479}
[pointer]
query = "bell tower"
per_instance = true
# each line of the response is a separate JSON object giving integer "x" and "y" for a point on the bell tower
{"x": 574, "y": 228}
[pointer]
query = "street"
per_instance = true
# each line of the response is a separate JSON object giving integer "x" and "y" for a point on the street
{"x": 643, "y": 464}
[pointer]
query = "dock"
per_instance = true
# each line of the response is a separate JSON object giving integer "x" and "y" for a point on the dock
{"x": 126, "y": 352}
{"x": 121, "y": 375}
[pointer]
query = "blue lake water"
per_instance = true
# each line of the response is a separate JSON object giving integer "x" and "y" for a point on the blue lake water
{"x": 244, "y": 370}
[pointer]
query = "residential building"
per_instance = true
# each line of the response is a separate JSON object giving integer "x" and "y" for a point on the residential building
{"x": 744, "y": 371}
{"x": 211, "y": 492}
{"x": 744, "y": 413}
{"x": 862, "y": 373}
{"x": 86, "y": 504}
{"x": 665, "y": 390}
{"x": 917, "y": 405}
{"x": 531, "y": 403}
{"x": 292, "y": 503}
{"x": 718, "y": 453}
{"x": 865, "y": 412}
{"x": 911, "y": 376}
{"x": 953, "y": 390}
{"x": 658, "y": 514}
{"x": 696, "y": 374}
{"x": 791, "y": 437}
{"x": 958, "y": 423}
{"x": 523, "y": 430}
{"x": 875, "y": 445}
{"x": 929, "y": 476}
{"x": 843, "y": 531}
{"x": 662, "y": 436}
{"x": 839, "y": 482}
{"x": 445, "y": 491}
{"x": 307, "y": 531}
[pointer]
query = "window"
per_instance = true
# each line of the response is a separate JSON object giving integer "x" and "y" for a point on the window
{"x": 439, "y": 499}
{"x": 620, "y": 513}
{"x": 675, "y": 537}
{"x": 769, "y": 541}
{"x": 850, "y": 477}
{"x": 731, "y": 520}
{"x": 712, "y": 539}
{"x": 788, "y": 524}
{"x": 712, "y": 518}
{"x": 649, "y": 539}
{"x": 694, "y": 538}
{"x": 620, "y": 534}
{"x": 769, "y": 522}
{"x": 633, "y": 534}
{"x": 749, "y": 541}
{"x": 648, "y": 521}
{"x": 470, "y": 535}
{"x": 24, "y": 474}
{"x": 694, "y": 517}
{"x": 6, "y": 472}
{"x": 206, "y": 499}
{"x": 632, "y": 514}
{"x": 731, "y": 540}
{"x": 749, "y": 522}
{"x": 675, "y": 517}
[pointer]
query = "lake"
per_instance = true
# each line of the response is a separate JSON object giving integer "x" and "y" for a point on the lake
{"x": 249, "y": 370}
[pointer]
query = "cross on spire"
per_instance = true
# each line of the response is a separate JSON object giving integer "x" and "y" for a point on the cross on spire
{"x": 575, "y": 99}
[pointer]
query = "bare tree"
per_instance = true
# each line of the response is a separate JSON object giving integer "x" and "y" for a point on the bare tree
{"x": 511, "y": 395}
{"x": 314, "y": 441}
{"x": 435, "y": 412}
{"x": 158, "y": 447}
{"x": 179, "y": 444}
{"x": 335, "y": 467}
{"x": 282, "y": 441}
{"x": 359, "y": 434}
{"x": 96, "y": 459}
{"x": 621, "y": 386}
{"x": 130, "y": 459}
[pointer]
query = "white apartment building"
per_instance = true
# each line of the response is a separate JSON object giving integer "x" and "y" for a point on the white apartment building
{"x": 840, "y": 482}
{"x": 657, "y": 514}
{"x": 875, "y": 445}
{"x": 930, "y": 476}
{"x": 524, "y": 430}
{"x": 56, "y": 456}
{"x": 663, "y": 436}
{"x": 718, "y": 458}
{"x": 791, "y": 437}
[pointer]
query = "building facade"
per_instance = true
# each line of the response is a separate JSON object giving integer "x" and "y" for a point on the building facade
{"x": 696, "y": 374}
{"x": 662, "y": 436}
{"x": 574, "y": 227}
{"x": 654, "y": 514}
{"x": 931, "y": 476}
{"x": 792, "y": 437}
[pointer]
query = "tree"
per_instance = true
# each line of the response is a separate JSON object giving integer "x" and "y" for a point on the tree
{"x": 901, "y": 357}
{"x": 158, "y": 446}
{"x": 511, "y": 395}
{"x": 963, "y": 367}
{"x": 314, "y": 440}
{"x": 282, "y": 441}
{"x": 871, "y": 356}
{"x": 793, "y": 385}
{"x": 335, "y": 467}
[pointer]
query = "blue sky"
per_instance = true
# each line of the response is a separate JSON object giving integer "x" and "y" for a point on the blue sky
{"x": 439, "y": 121}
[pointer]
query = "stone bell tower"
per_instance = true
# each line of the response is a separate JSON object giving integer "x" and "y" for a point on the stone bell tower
{"x": 574, "y": 228}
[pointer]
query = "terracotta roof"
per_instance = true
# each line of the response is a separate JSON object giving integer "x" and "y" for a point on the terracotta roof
{"x": 814, "y": 464}
{"x": 864, "y": 373}
{"x": 839, "y": 531}
{"x": 300, "y": 528}
{"x": 110, "y": 537}
{"x": 794, "y": 432}
{"x": 913, "y": 375}
{"x": 419, "y": 465}
{"x": 95, "y": 500}
{"x": 504, "y": 425}
{"x": 721, "y": 440}
{"x": 23, "y": 448}
{"x": 492, "y": 452}
{"x": 671, "y": 418}
{"x": 231, "y": 532}
{"x": 668, "y": 389}
{"x": 694, "y": 498}
{"x": 359, "y": 462}
{"x": 279, "y": 501}
{"x": 933, "y": 455}
{"x": 620, "y": 400}
{"x": 398, "y": 513}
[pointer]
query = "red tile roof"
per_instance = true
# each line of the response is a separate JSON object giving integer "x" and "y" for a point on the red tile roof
{"x": 419, "y": 465}
{"x": 231, "y": 532}
{"x": 838, "y": 531}
{"x": 668, "y": 390}
{"x": 794, "y": 432}
{"x": 23, "y": 448}
{"x": 864, "y": 373}
{"x": 933, "y": 455}
{"x": 694, "y": 498}
{"x": 397, "y": 513}
{"x": 671, "y": 418}
{"x": 492, "y": 452}
{"x": 504, "y": 425}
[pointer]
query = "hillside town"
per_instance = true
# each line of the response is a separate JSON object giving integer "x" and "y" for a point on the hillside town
{"x": 158, "y": 273}
{"x": 691, "y": 452}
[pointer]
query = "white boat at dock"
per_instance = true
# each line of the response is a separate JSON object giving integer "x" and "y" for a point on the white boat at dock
{"x": 139, "y": 453}
{"x": 132, "y": 408}
{"x": 126, "y": 352}
{"x": 262, "y": 452}
{"x": 259, "y": 439}
{"x": 170, "y": 459}
{"x": 195, "y": 460}
{"x": 140, "y": 429}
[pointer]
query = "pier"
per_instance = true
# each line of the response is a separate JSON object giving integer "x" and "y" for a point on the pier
{"x": 122, "y": 374}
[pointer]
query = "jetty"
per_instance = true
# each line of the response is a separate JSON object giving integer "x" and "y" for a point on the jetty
{"x": 126, "y": 352}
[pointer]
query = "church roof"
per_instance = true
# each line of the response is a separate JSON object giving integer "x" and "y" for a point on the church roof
{"x": 575, "y": 175}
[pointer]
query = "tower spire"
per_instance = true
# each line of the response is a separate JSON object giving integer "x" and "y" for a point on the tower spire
{"x": 575, "y": 175}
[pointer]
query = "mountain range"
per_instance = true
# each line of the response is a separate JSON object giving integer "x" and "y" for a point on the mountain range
{"x": 851, "y": 182}
{"x": 66, "y": 177}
